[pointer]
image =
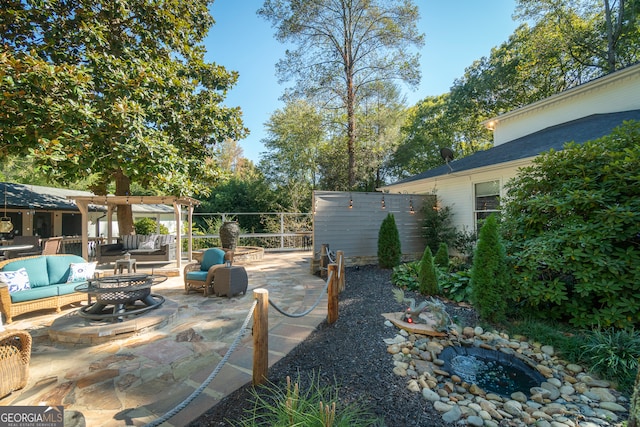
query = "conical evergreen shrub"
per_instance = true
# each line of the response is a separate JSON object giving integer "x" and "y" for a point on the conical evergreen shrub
{"x": 442, "y": 256}
{"x": 489, "y": 274}
{"x": 389, "y": 249}
{"x": 428, "y": 279}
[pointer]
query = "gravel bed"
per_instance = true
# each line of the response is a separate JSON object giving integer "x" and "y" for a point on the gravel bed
{"x": 351, "y": 354}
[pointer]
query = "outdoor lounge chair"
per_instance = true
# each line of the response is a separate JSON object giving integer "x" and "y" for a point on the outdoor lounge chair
{"x": 200, "y": 276}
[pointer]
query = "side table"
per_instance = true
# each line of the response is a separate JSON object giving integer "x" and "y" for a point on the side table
{"x": 230, "y": 281}
{"x": 122, "y": 263}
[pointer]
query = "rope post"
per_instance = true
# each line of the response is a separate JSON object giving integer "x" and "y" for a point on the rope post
{"x": 340, "y": 260}
{"x": 332, "y": 307}
{"x": 324, "y": 260}
{"x": 260, "y": 336}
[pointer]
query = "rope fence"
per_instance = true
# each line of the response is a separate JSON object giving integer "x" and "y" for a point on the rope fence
{"x": 259, "y": 312}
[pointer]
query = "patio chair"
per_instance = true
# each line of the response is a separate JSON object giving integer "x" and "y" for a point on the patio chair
{"x": 15, "y": 355}
{"x": 199, "y": 276}
{"x": 51, "y": 246}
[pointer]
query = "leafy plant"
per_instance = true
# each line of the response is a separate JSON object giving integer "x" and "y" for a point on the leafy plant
{"x": 148, "y": 225}
{"x": 613, "y": 354}
{"x": 488, "y": 274}
{"x": 455, "y": 285}
{"x": 389, "y": 249}
{"x": 427, "y": 276}
{"x": 294, "y": 406}
{"x": 571, "y": 230}
{"x": 405, "y": 276}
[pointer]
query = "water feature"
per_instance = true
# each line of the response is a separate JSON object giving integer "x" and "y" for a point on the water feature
{"x": 493, "y": 371}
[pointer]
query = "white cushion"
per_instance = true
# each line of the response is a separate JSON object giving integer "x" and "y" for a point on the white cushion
{"x": 81, "y": 271}
{"x": 149, "y": 244}
{"x": 16, "y": 280}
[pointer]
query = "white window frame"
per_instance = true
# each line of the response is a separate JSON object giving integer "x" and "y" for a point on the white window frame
{"x": 478, "y": 213}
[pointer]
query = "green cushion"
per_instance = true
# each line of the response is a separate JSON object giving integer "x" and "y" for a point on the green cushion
{"x": 197, "y": 275}
{"x": 34, "y": 293}
{"x": 58, "y": 267}
{"x": 36, "y": 269}
{"x": 211, "y": 257}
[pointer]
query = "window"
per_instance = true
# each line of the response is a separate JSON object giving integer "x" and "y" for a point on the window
{"x": 487, "y": 200}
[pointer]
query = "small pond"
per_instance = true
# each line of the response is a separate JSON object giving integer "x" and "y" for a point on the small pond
{"x": 493, "y": 371}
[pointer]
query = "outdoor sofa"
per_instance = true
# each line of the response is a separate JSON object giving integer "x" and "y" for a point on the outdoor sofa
{"x": 41, "y": 282}
{"x": 143, "y": 248}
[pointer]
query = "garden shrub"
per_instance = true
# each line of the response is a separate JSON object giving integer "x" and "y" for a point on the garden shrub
{"x": 571, "y": 231}
{"x": 437, "y": 225}
{"x": 488, "y": 274}
{"x": 441, "y": 258}
{"x": 389, "y": 249}
{"x": 405, "y": 276}
{"x": 428, "y": 278}
{"x": 146, "y": 226}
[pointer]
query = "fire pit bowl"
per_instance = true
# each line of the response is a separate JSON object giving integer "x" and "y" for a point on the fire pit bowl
{"x": 120, "y": 296}
{"x": 493, "y": 371}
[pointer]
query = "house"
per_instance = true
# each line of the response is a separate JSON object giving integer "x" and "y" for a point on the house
{"x": 472, "y": 186}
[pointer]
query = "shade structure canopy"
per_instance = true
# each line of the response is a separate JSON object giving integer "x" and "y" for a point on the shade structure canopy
{"x": 111, "y": 202}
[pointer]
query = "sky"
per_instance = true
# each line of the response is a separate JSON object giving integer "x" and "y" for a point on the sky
{"x": 456, "y": 34}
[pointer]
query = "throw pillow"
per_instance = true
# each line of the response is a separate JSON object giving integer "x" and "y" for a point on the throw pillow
{"x": 149, "y": 245}
{"x": 129, "y": 241}
{"x": 81, "y": 271}
{"x": 16, "y": 280}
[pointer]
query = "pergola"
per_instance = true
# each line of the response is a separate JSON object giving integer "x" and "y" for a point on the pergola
{"x": 111, "y": 203}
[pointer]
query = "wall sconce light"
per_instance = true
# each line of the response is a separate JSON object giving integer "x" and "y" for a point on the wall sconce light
{"x": 411, "y": 210}
{"x": 382, "y": 203}
{"x": 350, "y": 202}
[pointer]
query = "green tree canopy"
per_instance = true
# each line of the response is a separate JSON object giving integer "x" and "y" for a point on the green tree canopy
{"x": 116, "y": 91}
{"x": 342, "y": 48}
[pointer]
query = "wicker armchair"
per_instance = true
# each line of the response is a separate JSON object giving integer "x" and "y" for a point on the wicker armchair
{"x": 15, "y": 355}
{"x": 200, "y": 276}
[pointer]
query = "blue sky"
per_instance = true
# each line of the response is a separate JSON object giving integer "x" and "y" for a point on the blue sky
{"x": 456, "y": 34}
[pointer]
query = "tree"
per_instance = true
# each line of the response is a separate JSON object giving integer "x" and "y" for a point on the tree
{"x": 571, "y": 229}
{"x": 600, "y": 34}
{"x": 294, "y": 136}
{"x": 343, "y": 47}
{"x": 115, "y": 91}
{"x": 488, "y": 274}
{"x": 427, "y": 276}
{"x": 389, "y": 247}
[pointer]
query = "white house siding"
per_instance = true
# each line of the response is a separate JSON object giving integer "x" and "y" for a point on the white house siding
{"x": 457, "y": 190}
{"x": 615, "y": 92}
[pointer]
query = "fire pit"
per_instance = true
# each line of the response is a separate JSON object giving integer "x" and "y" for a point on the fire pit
{"x": 120, "y": 296}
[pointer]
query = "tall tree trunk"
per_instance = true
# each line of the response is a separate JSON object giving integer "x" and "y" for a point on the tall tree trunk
{"x": 634, "y": 409}
{"x": 124, "y": 212}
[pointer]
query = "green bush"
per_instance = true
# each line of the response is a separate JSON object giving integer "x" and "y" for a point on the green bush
{"x": 428, "y": 277}
{"x": 296, "y": 405}
{"x": 148, "y": 226}
{"x": 405, "y": 276}
{"x": 488, "y": 274}
{"x": 437, "y": 225}
{"x": 571, "y": 231}
{"x": 389, "y": 250}
{"x": 455, "y": 285}
{"x": 441, "y": 259}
